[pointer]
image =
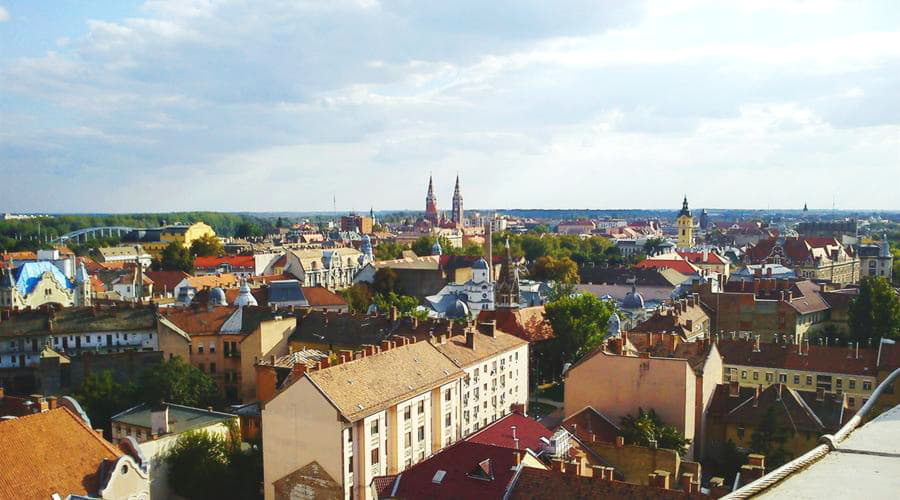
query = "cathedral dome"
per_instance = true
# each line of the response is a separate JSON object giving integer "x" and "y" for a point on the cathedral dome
{"x": 614, "y": 325}
{"x": 480, "y": 264}
{"x": 217, "y": 297}
{"x": 459, "y": 310}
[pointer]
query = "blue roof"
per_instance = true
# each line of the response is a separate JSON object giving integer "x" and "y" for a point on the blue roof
{"x": 27, "y": 275}
{"x": 480, "y": 264}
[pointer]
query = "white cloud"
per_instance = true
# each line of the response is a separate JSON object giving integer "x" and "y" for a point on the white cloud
{"x": 281, "y": 108}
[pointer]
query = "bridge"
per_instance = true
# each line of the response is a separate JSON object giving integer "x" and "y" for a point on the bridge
{"x": 88, "y": 233}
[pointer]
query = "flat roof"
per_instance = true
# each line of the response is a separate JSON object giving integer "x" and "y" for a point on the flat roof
{"x": 865, "y": 464}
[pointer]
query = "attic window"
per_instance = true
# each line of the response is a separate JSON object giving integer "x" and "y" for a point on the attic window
{"x": 438, "y": 476}
{"x": 359, "y": 406}
{"x": 484, "y": 471}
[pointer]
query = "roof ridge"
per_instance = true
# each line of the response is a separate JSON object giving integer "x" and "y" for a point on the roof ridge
{"x": 106, "y": 444}
{"x": 805, "y": 406}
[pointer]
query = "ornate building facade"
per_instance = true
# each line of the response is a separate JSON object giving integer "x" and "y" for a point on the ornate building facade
{"x": 431, "y": 212}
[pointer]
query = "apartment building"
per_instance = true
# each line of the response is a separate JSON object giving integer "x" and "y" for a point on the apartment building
{"x": 384, "y": 409}
{"x": 803, "y": 367}
{"x": 676, "y": 379}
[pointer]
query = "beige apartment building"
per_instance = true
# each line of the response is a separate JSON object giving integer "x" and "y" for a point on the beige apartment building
{"x": 382, "y": 410}
{"x": 650, "y": 371}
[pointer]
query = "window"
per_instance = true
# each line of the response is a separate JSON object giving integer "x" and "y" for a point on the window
{"x": 796, "y": 379}
{"x": 200, "y": 349}
{"x": 852, "y": 383}
{"x": 375, "y": 456}
{"x": 447, "y": 420}
{"x": 212, "y": 368}
{"x": 447, "y": 395}
{"x": 769, "y": 377}
{"x": 740, "y": 433}
{"x": 421, "y": 433}
{"x": 755, "y": 375}
{"x": 782, "y": 377}
{"x": 407, "y": 412}
{"x": 407, "y": 440}
{"x": 190, "y": 349}
{"x": 867, "y": 386}
{"x": 809, "y": 380}
{"x": 212, "y": 347}
{"x": 349, "y": 435}
{"x": 350, "y": 465}
{"x": 839, "y": 383}
{"x": 421, "y": 407}
{"x": 374, "y": 427}
{"x": 851, "y": 402}
{"x": 743, "y": 373}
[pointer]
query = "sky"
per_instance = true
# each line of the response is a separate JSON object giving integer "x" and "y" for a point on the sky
{"x": 299, "y": 105}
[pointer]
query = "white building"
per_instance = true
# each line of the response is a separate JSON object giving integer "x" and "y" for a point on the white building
{"x": 125, "y": 253}
{"x": 332, "y": 268}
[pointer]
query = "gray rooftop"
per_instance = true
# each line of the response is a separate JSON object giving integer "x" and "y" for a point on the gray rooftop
{"x": 181, "y": 418}
{"x": 867, "y": 464}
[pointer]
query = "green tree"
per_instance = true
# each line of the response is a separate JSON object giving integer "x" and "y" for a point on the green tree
{"x": 248, "y": 230}
{"x": 422, "y": 246}
{"x": 175, "y": 381}
{"x": 385, "y": 281}
{"x": 406, "y": 305}
{"x": 102, "y": 397}
{"x": 388, "y": 250}
{"x": 768, "y": 439}
{"x": 358, "y": 297}
{"x": 646, "y": 427}
{"x": 548, "y": 268}
{"x": 207, "y": 246}
{"x": 198, "y": 465}
{"x": 579, "y": 323}
{"x": 279, "y": 223}
{"x": 875, "y": 313}
{"x": 653, "y": 246}
{"x": 175, "y": 257}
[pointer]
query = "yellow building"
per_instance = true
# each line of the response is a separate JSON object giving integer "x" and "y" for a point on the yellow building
{"x": 182, "y": 234}
{"x": 685, "y": 223}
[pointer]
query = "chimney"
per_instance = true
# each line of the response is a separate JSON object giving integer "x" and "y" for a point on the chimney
{"x": 517, "y": 457}
{"x": 620, "y": 441}
{"x": 557, "y": 465}
{"x": 756, "y": 460}
{"x": 470, "y": 339}
{"x": 159, "y": 420}
{"x": 780, "y": 387}
{"x": 687, "y": 483}
{"x": 570, "y": 468}
{"x": 51, "y": 400}
{"x": 324, "y": 363}
{"x": 756, "y": 396}
{"x": 298, "y": 369}
{"x": 734, "y": 389}
{"x": 385, "y": 345}
{"x": 644, "y": 355}
{"x": 750, "y": 473}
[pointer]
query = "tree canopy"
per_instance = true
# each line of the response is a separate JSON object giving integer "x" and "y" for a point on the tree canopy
{"x": 385, "y": 281}
{"x": 646, "y": 427}
{"x": 579, "y": 322}
{"x": 405, "y": 304}
{"x": 388, "y": 250}
{"x": 207, "y": 246}
{"x": 175, "y": 257}
{"x": 875, "y": 313}
{"x": 548, "y": 268}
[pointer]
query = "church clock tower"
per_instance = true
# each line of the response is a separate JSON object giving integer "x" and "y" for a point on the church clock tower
{"x": 685, "y": 223}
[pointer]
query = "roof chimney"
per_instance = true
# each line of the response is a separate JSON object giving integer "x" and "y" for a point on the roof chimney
{"x": 734, "y": 389}
{"x": 687, "y": 483}
{"x": 470, "y": 339}
{"x": 159, "y": 420}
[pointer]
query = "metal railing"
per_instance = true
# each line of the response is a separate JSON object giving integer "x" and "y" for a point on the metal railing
{"x": 829, "y": 442}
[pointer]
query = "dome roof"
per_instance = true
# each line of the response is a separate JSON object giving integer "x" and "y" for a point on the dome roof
{"x": 217, "y": 297}
{"x": 459, "y": 310}
{"x": 614, "y": 325}
{"x": 480, "y": 264}
{"x": 633, "y": 300}
{"x": 186, "y": 295}
{"x": 245, "y": 298}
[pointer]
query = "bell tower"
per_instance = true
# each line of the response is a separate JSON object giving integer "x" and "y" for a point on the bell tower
{"x": 685, "y": 224}
{"x": 431, "y": 203}
{"x": 458, "y": 216}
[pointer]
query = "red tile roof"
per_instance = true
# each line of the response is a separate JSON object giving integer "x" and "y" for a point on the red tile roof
{"x": 458, "y": 462}
{"x": 590, "y": 423}
{"x": 528, "y": 323}
{"x": 6, "y": 256}
{"x": 201, "y": 320}
{"x": 232, "y": 260}
{"x": 165, "y": 281}
{"x": 528, "y": 432}
{"x": 680, "y": 265}
{"x": 712, "y": 258}
{"x": 51, "y": 452}
{"x": 318, "y": 296}
{"x": 817, "y": 358}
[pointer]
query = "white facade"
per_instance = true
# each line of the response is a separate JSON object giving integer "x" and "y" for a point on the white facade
{"x": 23, "y": 351}
{"x": 491, "y": 386}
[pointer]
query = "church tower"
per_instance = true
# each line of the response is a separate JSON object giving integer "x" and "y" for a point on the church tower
{"x": 431, "y": 213}
{"x": 685, "y": 223}
{"x": 458, "y": 216}
{"x": 507, "y": 287}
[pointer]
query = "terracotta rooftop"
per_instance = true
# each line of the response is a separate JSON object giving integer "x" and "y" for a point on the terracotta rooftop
{"x": 816, "y": 358}
{"x": 500, "y": 433}
{"x": 470, "y": 471}
{"x": 370, "y": 384}
{"x": 166, "y": 281}
{"x": 51, "y": 452}
{"x": 319, "y": 297}
{"x": 528, "y": 323}
{"x": 231, "y": 260}
{"x": 485, "y": 346}
{"x": 224, "y": 280}
{"x": 538, "y": 484}
{"x": 709, "y": 258}
{"x": 679, "y": 264}
{"x": 590, "y": 423}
